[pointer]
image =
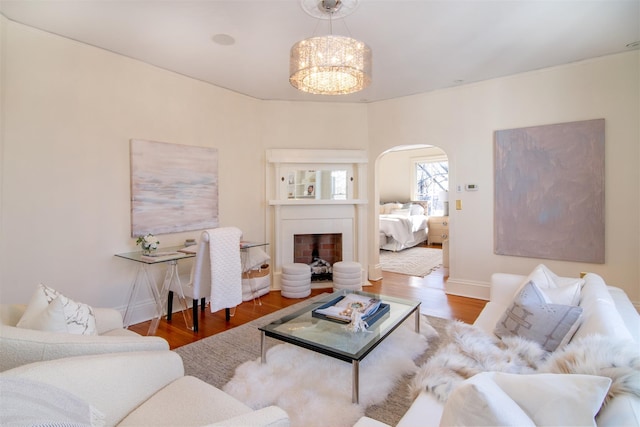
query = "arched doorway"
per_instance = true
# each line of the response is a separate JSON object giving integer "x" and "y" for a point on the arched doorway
{"x": 410, "y": 175}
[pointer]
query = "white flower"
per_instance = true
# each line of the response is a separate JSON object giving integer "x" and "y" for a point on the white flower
{"x": 148, "y": 242}
{"x": 150, "y": 239}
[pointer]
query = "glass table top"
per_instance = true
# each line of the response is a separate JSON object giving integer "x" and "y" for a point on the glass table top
{"x": 333, "y": 338}
{"x": 161, "y": 255}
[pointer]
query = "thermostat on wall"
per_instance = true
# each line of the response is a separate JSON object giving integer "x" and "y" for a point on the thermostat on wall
{"x": 471, "y": 187}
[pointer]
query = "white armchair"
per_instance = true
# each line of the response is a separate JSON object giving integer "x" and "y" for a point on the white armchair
{"x": 20, "y": 346}
{"x": 135, "y": 389}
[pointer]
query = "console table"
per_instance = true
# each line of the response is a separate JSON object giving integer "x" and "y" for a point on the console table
{"x": 169, "y": 256}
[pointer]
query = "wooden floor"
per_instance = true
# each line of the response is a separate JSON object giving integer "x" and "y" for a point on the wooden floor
{"x": 429, "y": 290}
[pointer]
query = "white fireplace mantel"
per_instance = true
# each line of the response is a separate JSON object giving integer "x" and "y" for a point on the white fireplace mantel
{"x": 288, "y": 216}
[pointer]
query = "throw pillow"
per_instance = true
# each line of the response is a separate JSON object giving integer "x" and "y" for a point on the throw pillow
{"x": 513, "y": 399}
{"x": 531, "y": 317}
{"x": 50, "y": 319}
{"x": 558, "y": 290}
{"x": 479, "y": 401}
{"x": 42, "y": 315}
{"x": 27, "y": 402}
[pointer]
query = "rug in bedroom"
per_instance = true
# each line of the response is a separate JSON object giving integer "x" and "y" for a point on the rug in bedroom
{"x": 216, "y": 358}
{"x": 417, "y": 261}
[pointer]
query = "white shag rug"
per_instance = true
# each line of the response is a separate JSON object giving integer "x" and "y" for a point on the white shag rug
{"x": 315, "y": 390}
{"x": 417, "y": 261}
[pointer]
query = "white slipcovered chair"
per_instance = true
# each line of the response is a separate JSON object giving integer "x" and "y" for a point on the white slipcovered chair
{"x": 19, "y": 346}
{"x": 216, "y": 273}
{"x": 124, "y": 389}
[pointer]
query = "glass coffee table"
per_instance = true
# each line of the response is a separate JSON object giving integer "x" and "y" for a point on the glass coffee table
{"x": 334, "y": 339}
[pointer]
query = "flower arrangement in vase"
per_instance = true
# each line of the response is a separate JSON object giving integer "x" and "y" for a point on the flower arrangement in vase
{"x": 148, "y": 243}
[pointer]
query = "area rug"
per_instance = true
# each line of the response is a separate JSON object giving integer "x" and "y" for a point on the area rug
{"x": 415, "y": 261}
{"x": 215, "y": 359}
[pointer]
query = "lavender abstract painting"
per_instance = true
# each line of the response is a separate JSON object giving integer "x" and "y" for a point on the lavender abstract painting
{"x": 174, "y": 188}
{"x": 549, "y": 192}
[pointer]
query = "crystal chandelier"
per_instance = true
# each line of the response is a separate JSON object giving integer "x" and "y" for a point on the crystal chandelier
{"x": 330, "y": 65}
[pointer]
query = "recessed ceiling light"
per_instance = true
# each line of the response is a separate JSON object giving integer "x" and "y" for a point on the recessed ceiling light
{"x": 223, "y": 39}
{"x": 634, "y": 45}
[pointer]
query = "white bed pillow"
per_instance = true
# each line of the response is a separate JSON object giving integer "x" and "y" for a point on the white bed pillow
{"x": 388, "y": 207}
{"x": 497, "y": 398}
{"x": 48, "y": 308}
{"x": 416, "y": 210}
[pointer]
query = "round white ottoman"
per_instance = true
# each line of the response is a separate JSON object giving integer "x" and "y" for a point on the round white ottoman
{"x": 347, "y": 275}
{"x": 296, "y": 280}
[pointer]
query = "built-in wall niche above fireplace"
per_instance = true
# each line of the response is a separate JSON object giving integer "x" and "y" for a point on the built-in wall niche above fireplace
{"x": 324, "y": 184}
{"x": 335, "y": 205}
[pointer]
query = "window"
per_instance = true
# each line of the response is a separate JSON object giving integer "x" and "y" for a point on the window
{"x": 431, "y": 183}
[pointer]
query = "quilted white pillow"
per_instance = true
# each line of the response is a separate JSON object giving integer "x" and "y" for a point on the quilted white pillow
{"x": 496, "y": 398}
{"x": 26, "y": 402}
{"x": 49, "y": 310}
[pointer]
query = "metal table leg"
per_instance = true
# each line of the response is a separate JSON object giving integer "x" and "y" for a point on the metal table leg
{"x": 355, "y": 386}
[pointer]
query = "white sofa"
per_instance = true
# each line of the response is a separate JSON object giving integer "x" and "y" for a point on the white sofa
{"x": 125, "y": 389}
{"x": 606, "y": 310}
{"x": 20, "y": 346}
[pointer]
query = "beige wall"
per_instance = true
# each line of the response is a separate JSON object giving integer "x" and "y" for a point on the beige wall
{"x": 69, "y": 110}
{"x": 462, "y": 120}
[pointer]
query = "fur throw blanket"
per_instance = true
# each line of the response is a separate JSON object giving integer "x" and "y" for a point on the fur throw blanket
{"x": 472, "y": 351}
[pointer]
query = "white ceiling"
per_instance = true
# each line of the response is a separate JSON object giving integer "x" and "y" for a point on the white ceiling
{"x": 418, "y": 45}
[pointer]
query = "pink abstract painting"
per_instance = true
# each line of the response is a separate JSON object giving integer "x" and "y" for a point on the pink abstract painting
{"x": 549, "y": 192}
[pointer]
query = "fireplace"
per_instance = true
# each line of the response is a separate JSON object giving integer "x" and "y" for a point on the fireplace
{"x": 323, "y": 214}
{"x": 319, "y": 251}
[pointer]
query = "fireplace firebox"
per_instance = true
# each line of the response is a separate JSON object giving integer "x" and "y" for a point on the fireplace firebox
{"x": 320, "y": 252}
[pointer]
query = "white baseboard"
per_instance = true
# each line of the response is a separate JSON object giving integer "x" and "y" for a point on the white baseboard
{"x": 375, "y": 271}
{"x": 467, "y": 288}
{"x": 140, "y": 311}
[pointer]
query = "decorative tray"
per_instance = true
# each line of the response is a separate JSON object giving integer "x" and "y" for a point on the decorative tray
{"x": 371, "y": 318}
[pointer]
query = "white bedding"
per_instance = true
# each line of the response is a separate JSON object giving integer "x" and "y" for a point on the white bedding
{"x": 403, "y": 231}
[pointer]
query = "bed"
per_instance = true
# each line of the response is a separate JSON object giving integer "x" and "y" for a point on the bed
{"x": 402, "y": 226}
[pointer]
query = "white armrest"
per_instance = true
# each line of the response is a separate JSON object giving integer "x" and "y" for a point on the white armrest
{"x": 21, "y": 346}
{"x": 115, "y": 384}
{"x": 271, "y": 416}
{"x": 504, "y": 287}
